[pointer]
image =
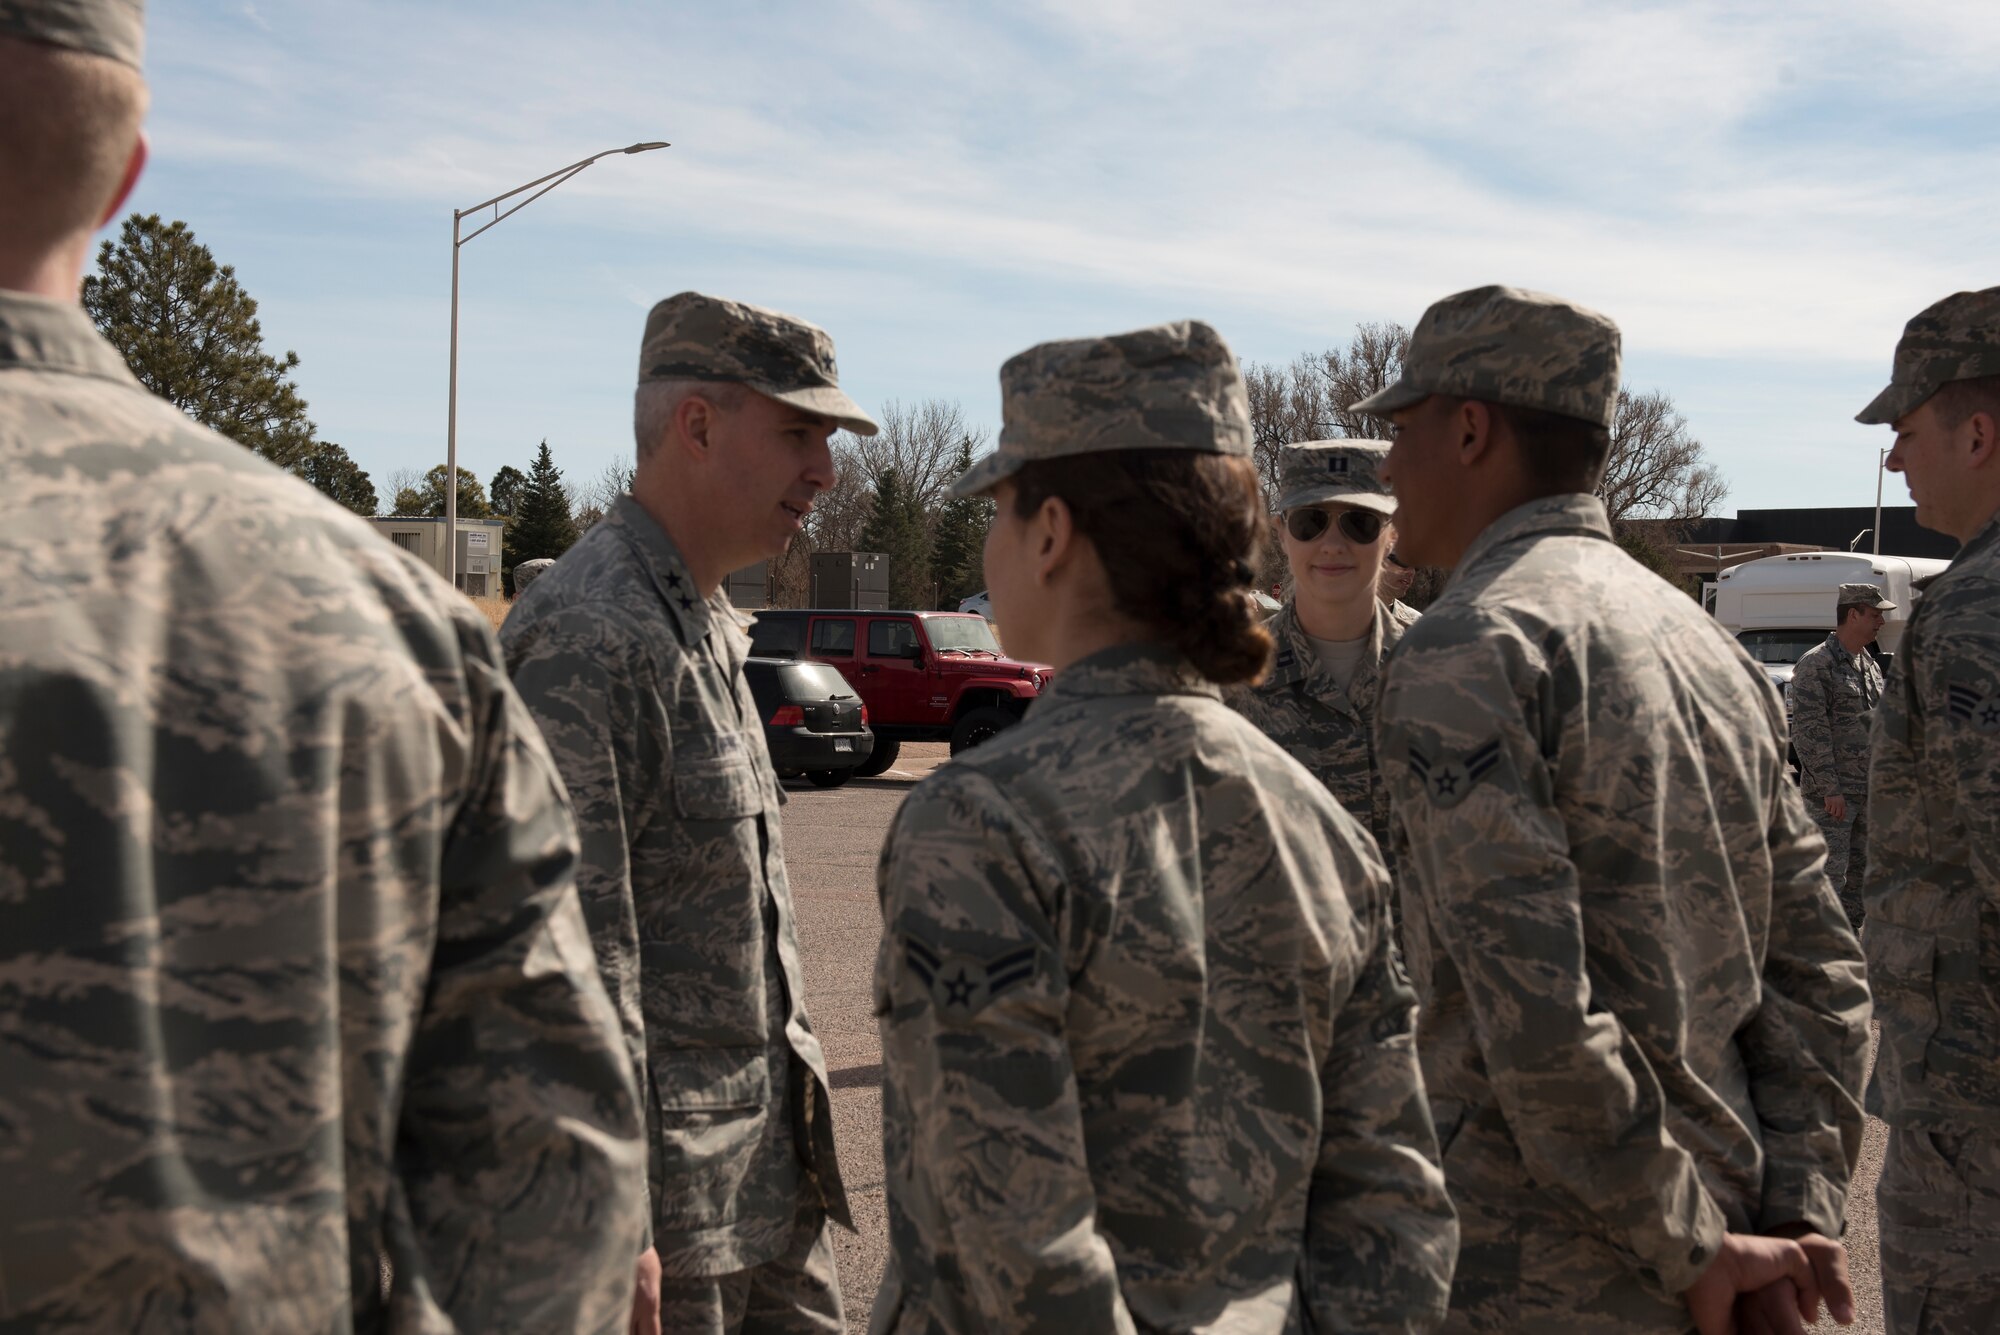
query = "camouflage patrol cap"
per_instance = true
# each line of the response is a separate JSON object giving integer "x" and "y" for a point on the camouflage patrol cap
{"x": 1862, "y": 595}
{"x": 1317, "y": 472}
{"x": 114, "y": 28}
{"x": 693, "y": 336}
{"x": 1507, "y": 345}
{"x": 1170, "y": 387}
{"x": 1956, "y": 339}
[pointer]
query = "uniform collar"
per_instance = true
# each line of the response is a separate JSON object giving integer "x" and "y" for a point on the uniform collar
{"x": 1577, "y": 514}
{"x": 1129, "y": 669}
{"x": 1835, "y": 647}
{"x": 1298, "y": 662}
{"x": 692, "y": 615}
{"x": 38, "y": 334}
{"x": 1983, "y": 542}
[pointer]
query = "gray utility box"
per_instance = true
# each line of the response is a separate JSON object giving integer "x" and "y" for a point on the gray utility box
{"x": 856, "y": 581}
{"x": 479, "y": 549}
{"x": 747, "y": 587}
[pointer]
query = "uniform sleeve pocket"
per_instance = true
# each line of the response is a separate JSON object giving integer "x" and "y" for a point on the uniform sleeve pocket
{"x": 1902, "y": 969}
{"x": 708, "y": 1079}
{"x": 714, "y": 778}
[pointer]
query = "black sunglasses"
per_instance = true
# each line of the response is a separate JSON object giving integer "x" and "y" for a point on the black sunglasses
{"x": 1398, "y": 562}
{"x": 1357, "y": 526}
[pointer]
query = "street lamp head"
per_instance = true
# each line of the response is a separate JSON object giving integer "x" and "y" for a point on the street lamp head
{"x": 642, "y": 148}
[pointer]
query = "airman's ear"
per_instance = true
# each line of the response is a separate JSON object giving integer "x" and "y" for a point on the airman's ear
{"x": 133, "y": 167}
{"x": 1473, "y": 424}
{"x": 1055, "y": 537}
{"x": 1979, "y": 434}
{"x": 693, "y": 424}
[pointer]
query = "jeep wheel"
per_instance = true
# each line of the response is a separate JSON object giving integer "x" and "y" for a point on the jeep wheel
{"x": 980, "y": 725}
{"x": 879, "y": 760}
{"x": 829, "y": 778}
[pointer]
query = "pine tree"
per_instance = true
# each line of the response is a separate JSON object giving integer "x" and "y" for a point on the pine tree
{"x": 328, "y": 467}
{"x": 190, "y": 334}
{"x": 504, "y": 491}
{"x": 898, "y": 528}
{"x": 959, "y": 547}
{"x": 542, "y": 524}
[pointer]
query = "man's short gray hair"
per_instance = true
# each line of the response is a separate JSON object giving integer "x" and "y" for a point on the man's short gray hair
{"x": 656, "y": 401}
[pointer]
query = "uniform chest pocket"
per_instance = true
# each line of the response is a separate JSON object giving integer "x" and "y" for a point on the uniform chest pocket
{"x": 715, "y": 777}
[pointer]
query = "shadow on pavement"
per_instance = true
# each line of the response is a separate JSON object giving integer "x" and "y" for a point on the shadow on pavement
{"x": 856, "y": 1077}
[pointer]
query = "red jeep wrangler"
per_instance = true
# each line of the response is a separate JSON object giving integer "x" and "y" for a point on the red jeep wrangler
{"x": 925, "y": 676}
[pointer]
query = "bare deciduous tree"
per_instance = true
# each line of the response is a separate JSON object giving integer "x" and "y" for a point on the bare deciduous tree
{"x": 841, "y": 511}
{"x": 1372, "y": 361}
{"x": 1657, "y": 470}
{"x": 920, "y": 443}
{"x": 1308, "y": 400}
{"x": 1287, "y": 405}
{"x": 592, "y": 500}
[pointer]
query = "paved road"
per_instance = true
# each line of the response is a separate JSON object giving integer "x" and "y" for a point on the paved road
{"x": 832, "y": 838}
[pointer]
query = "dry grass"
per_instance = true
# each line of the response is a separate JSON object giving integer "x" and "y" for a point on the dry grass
{"x": 494, "y": 608}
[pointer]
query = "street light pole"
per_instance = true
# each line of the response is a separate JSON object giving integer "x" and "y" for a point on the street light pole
{"x": 1881, "y": 458}
{"x": 548, "y": 183}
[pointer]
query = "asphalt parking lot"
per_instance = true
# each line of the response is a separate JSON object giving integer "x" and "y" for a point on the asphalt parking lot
{"x": 832, "y": 838}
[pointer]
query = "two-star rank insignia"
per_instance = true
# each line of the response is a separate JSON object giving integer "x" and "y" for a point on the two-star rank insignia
{"x": 1445, "y": 780}
{"x": 1973, "y": 707}
{"x": 960, "y": 987}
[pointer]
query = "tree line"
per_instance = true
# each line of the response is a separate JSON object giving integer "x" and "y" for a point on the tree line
{"x": 190, "y": 333}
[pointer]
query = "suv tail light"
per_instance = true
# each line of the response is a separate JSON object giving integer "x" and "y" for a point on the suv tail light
{"x": 789, "y": 716}
{"x": 864, "y": 716}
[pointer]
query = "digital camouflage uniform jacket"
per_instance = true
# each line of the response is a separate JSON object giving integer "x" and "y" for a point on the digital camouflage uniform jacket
{"x": 638, "y": 685}
{"x": 1329, "y": 730}
{"x": 1643, "y": 1018}
{"x": 292, "y": 974}
{"x": 1933, "y": 894}
{"x": 1147, "y": 1061}
{"x": 1833, "y": 697}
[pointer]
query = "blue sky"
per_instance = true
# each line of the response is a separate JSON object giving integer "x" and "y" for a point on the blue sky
{"x": 1760, "y": 194}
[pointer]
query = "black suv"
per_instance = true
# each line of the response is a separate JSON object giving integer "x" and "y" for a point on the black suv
{"x": 814, "y": 722}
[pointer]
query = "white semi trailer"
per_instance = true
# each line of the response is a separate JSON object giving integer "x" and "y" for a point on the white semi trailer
{"x": 1781, "y": 606}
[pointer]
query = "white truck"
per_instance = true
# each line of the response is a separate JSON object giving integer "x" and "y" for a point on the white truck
{"x": 1780, "y": 606}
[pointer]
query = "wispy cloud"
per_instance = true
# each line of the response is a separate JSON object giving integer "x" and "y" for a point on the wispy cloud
{"x": 1740, "y": 185}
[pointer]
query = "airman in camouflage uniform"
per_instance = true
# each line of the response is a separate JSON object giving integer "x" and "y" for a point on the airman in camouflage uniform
{"x": 1933, "y": 889}
{"x": 1146, "y": 1046}
{"x": 1327, "y": 725}
{"x": 1832, "y": 700}
{"x": 294, "y": 986}
{"x": 1643, "y": 1020}
{"x": 632, "y": 663}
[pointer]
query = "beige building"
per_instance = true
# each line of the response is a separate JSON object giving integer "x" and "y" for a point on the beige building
{"x": 478, "y": 549}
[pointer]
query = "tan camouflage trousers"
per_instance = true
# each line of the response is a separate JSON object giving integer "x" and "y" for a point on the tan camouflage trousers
{"x": 1938, "y": 1211}
{"x": 1846, "y": 851}
{"x": 793, "y": 1293}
